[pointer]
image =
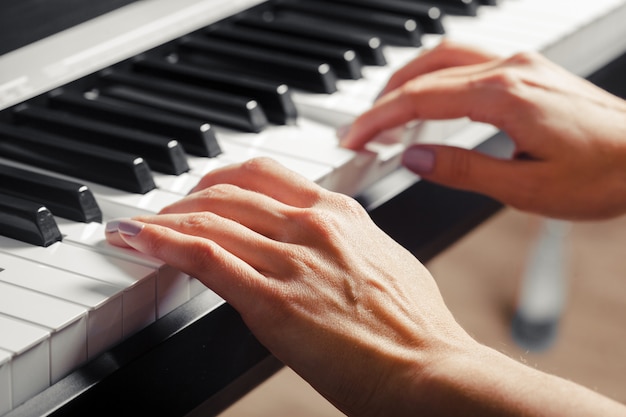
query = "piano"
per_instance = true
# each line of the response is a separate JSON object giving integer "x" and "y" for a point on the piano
{"x": 118, "y": 109}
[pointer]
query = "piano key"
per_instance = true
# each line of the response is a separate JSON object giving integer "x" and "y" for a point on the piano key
{"x": 309, "y": 74}
{"x": 113, "y": 201}
{"x": 344, "y": 61}
{"x": 244, "y": 150}
{"x": 162, "y": 153}
{"x": 66, "y": 322}
{"x": 172, "y": 287}
{"x": 274, "y": 97}
{"x": 392, "y": 29}
{"x": 27, "y": 221}
{"x": 369, "y": 48}
{"x": 139, "y": 302}
{"x": 314, "y": 145}
{"x": 28, "y": 347}
{"x": 211, "y": 106}
{"x": 102, "y": 300}
{"x": 6, "y": 381}
{"x": 427, "y": 15}
{"x": 63, "y": 198}
{"x": 195, "y": 135}
{"x": 117, "y": 169}
{"x": 460, "y": 7}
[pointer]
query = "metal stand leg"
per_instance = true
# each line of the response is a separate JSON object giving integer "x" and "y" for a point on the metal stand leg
{"x": 543, "y": 289}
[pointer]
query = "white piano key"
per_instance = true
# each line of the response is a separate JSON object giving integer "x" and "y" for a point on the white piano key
{"x": 66, "y": 322}
{"x": 180, "y": 185}
{"x": 200, "y": 166}
{"x": 309, "y": 140}
{"x": 104, "y": 301}
{"x": 137, "y": 281}
{"x": 240, "y": 151}
{"x": 6, "y": 389}
{"x": 171, "y": 289}
{"x": 28, "y": 349}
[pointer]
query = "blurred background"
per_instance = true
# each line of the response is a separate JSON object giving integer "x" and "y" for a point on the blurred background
{"x": 480, "y": 280}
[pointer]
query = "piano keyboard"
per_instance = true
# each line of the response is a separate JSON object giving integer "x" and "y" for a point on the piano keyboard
{"x": 228, "y": 81}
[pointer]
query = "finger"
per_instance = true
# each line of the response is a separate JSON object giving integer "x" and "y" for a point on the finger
{"x": 251, "y": 209}
{"x": 226, "y": 274}
{"x": 475, "y": 91}
{"x": 516, "y": 183}
{"x": 246, "y": 244}
{"x": 268, "y": 177}
{"x": 445, "y": 55}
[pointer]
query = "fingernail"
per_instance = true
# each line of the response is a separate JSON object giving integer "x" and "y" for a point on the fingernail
{"x": 419, "y": 160}
{"x": 342, "y": 131}
{"x": 124, "y": 226}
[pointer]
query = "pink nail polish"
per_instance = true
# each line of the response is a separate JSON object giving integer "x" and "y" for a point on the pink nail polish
{"x": 419, "y": 160}
{"x": 129, "y": 227}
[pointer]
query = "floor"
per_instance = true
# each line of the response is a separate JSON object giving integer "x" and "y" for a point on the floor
{"x": 479, "y": 278}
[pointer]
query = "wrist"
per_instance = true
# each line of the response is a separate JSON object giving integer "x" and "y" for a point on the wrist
{"x": 486, "y": 383}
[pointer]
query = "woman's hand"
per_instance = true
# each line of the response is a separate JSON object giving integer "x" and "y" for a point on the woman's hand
{"x": 570, "y": 136}
{"x": 316, "y": 281}
{"x": 338, "y": 301}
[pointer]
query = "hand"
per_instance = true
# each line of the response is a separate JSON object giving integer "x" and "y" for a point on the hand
{"x": 570, "y": 136}
{"x": 337, "y": 300}
{"x": 322, "y": 287}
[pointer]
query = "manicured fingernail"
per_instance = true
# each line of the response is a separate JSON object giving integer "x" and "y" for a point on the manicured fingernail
{"x": 124, "y": 226}
{"x": 112, "y": 226}
{"x": 419, "y": 160}
{"x": 342, "y": 131}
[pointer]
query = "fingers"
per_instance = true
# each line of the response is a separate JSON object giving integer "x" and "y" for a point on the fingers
{"x": 266, "y": 177}
{"x": 446, "y": 55}
{"x": 513, "y": 182}
{"x": 473, "y": 91}
{"x": 223, "y": 271}
{"x": 252, "y": 209}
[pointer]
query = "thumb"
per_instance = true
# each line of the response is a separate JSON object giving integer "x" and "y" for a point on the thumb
{"x": 468, "y": 170}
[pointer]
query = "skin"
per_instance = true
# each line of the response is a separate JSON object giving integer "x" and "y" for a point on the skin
{"x": 570, "y": 135}
{"x": 350, "y": 310}
{"x": 338, "y": 301}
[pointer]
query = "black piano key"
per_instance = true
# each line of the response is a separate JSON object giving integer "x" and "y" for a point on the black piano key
{"x": 488, "y": 2}
{"x": 196, "y": 136}
{"x": 120, "y": 170}
{"x": 392, "y": 29}
{"x": 456, "y": 7}
{"x": 368, "y": 47}
{"x": 295, "y": 71}
{"x": 427, "y": 15}
{"x": 344, "y": 61}
{"x": 64, "y": 198}
{"x": 274, "y": 97}
{"x": 164, "y": 103}
{"x": 217, "y": 107}
{"x": 163, "y": 154}
{"x": 27, "y": 221}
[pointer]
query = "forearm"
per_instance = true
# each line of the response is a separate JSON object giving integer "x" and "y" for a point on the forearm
{"x": 488, "y": 383}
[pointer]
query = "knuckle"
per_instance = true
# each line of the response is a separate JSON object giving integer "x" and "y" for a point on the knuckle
{"x": 460, "y": 168}
{"x": 258, "y": 165}
{"x": 524, "y": 58}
